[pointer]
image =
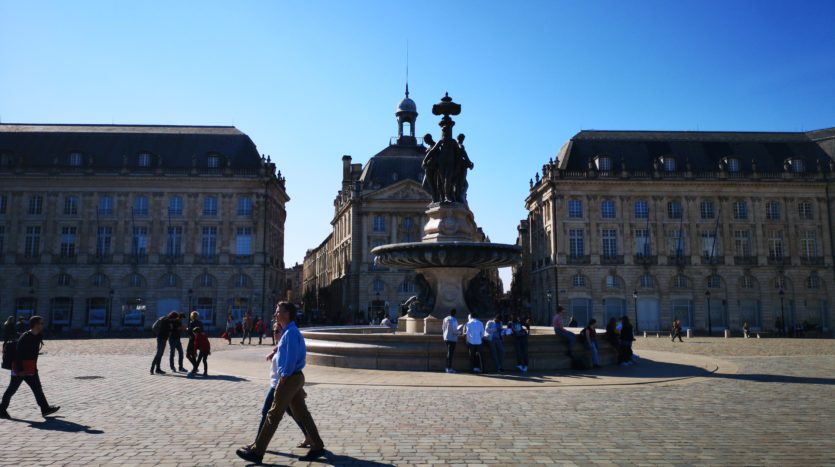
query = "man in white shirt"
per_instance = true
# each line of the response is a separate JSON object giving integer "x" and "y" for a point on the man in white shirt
{"x": 450, "y": 329}
{"x": 475, "y": 331}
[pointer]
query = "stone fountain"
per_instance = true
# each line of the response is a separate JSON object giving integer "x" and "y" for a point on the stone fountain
{"x": 450, "y": 254}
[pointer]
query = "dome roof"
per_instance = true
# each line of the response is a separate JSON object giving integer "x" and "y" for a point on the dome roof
{"x": 407, "y": 105}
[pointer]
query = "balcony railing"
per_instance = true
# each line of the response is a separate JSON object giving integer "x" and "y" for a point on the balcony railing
{"x": 678, "y": 260}
{"x": 779, "y": 261}
{"x": 242, "y": 259}
{"x": 645, "y": 260}
{"x": 579, "y": 259}
{"x": 616, "y": 259}
{"x": 171, "y": 259}
{"x": 811, "y": 260}
{"x": 136, "y": 259}
{"x": 206, "y": 259}
{"x": 745, "y": 260}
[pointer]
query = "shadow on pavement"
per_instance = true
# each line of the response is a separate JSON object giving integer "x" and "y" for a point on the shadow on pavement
{"x": 234, "y": 379}
{"x": 328, "y": 458}
{"x": 761, "y": 378}
{"x": 59, "y": 424}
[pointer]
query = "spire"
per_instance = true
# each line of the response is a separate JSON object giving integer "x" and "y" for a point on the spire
{"x": 407, "y": 87}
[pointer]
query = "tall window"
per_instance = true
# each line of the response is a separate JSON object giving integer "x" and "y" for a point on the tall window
{"x": 32, "y": 248}
{"x": 105, "y": 206}
{"x": 71, "y": 206}
{"x": 674, "y": 210}
{"x": 407, "y": 286}
{"x": 808, "y": 244}
{"x": 776, "y": 248}
{"x": 680, "y": 281}
{"x": 740, "y": 210}
{"x": 4, "y": 202}
{"x": 804, "y": 210}
{"x": 135, "y": 280}
{"x": 210, "y": 206}
{"x": 75, "y": 159}
{"x": 813, "y": 282}
{"x": 143, "y": 160}
{"x": 646, "y": 281}
{"x": 140, "y": 241}
{"x": 408, "y": 223}
{"x": 742, "y": 243}
{"x": 64, "y": 280}
{"x": 208, "y": 242}
{"x": 642, "y": 242}
{"x": 175, "y": 241}
{"x": 772, "y": 210}
{"x": 379, "y": 224}
{"x": 710, "y": 244}
{"x": 576, "y": 243}
{"x": 746, "y": 282}
{"x": 798, "y": 166}
{"x": 140, "y": 206}
{"x": 175, "y": 206}
{"x": 675, "y": 242}
{"x": 243, "y": 241}
{"x": 604, "y": 164}
{"x": 575, "y": 209}
{"x": 206, "y": 280}
{"x": 213, "y": 161}
{"x": 707, "y": 210}
{"x": 579, "y": 281}
{"x": 245, "y": 206}
{"x": 607, "y": 209}
{"x": 669, "y": 164}
{"x": 613, "y": 282}
{"x": 35, "y": 205}
{"x": 379, "y": 285}
{"x": 104, "y": 239}
{"x": 610, "y": 242}
{"x": 641, "y": 209}
{"x": 714, "y": 281}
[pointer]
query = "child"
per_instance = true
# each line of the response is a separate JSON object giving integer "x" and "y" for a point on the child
{"x": 204, "y": 347}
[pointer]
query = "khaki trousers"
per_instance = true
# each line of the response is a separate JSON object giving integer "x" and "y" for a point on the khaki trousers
{"x": 289, "y": 393}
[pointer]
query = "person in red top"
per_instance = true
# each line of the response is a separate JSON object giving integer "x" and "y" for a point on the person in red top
{"x": 25, "y": 369}
{"x": 259, "y": 329}
{"x": 204, "y": 347}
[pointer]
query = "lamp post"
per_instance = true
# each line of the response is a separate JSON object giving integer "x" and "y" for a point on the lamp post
{"x": 110, "y": 312}
{"x": 782, "y": 313}
{"x": 709, "y": 326}
{"x": 635, "y": 302}
{"x": 548, "y": 310}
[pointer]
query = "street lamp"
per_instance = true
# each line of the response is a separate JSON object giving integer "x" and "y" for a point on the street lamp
{"x": 635, "y": 302}
{"x": 709, "y": 326}
{"x": 782, "y": 312}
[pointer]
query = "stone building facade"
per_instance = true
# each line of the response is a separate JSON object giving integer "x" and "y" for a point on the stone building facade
{"x": 105, "y": 227}
{"x": 293, "y": 283}
{"x": 378, "y": 203}
{"x": 676, "y": 224}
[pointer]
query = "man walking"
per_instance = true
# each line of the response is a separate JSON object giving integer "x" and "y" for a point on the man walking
{"x": 247, "y": 328}
{"x": 25, "y": 369}
{"x": 289, "y": 392}
{"x": 474, "y": 330}
{"x": 450, "y": 331}
{"x": 559, "y": 329}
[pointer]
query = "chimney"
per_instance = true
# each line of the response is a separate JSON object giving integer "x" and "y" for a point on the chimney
{"x": 346, "y": 168}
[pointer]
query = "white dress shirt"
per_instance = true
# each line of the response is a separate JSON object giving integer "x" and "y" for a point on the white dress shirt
{"x": 475, "y": 331}
{"x": 450, "y": 328}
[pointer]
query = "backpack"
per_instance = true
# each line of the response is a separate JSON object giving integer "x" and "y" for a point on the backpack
{"x": 157, "y": 326}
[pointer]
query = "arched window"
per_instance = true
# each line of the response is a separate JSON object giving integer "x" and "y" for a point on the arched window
{"x": 733, "y": 164}
{"x": 206, "y": 280}
{"x": 407, "y": 286}
{"x": 797, "y": 165}
{"x": 213, "y": 161}
{"x": 680, "y": 282}
{"x": 607, "y": 209}
{"x": 747, "y": 282}
{"x": 242, "y": 281}
{"x": 647, "y": 281}
{"x": 579, "y": 281}
{"x": 175, "y": 206}
{"x": 613, "y": 282}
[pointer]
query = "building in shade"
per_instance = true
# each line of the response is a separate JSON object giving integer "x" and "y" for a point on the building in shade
{"x": 105, "y": 227}
{"x": 673, "y": 224}
{"x": 293, "y": 284}
{"x": 378, "y": 203}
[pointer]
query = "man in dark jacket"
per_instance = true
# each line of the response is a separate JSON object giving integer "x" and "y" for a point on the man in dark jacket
{"x": 25, "y": 369}
{"x": 162, "y": 327}
{"x": 175, "y": 343}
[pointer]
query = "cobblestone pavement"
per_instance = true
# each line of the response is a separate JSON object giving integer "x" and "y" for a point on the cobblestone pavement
{"x": 775, "y": 410}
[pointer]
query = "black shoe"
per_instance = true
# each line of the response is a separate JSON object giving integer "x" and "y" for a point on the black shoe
{"x": 183, "y": 370}
{"x": 50, "y": 410}
{"x": 313, "y": 454}
{"x": 160, "y": 372}
{"x": 173, "y": 370}
{"x": 249, "y": 455}
{"x": 5, "y": 415}
{"x": 152, "y": 370}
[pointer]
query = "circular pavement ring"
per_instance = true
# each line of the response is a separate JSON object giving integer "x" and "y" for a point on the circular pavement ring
{"x": 653, "y": 367}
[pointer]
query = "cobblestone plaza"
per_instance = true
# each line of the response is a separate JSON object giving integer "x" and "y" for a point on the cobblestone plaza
{"x": 704, "y": 401}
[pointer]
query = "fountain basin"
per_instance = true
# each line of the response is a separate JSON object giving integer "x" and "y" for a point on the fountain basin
{"x": 420, "y": 255}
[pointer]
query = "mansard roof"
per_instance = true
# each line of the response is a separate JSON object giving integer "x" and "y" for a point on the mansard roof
{"x": 393, "y": 164}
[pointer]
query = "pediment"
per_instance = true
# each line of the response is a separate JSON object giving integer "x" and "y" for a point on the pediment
{"x": 403, "y": 190}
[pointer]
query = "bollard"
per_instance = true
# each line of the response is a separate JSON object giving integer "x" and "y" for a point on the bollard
{"x": 689, "y": 333}
{"x": 645, "y": 334}
{"x": 727, "y": 333}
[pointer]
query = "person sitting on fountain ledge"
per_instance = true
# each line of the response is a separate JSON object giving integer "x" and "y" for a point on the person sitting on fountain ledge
{"x": 559, "y": 329}
{"x": 474, "y": 329}
{"x": 450, "y": 333}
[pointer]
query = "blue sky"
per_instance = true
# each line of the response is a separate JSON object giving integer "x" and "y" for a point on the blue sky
{"x": 311, "y": 81}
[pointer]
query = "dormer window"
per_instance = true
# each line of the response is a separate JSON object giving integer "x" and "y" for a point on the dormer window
{"x": 669, "y": 163}
{"x": 75, "y": 159}
{"x": 604, "y": 163}
{"x": 213, "y": 161}
{"x": 733, "y": 164}
{"x": 143, "y": 160}
{"x": 797, "y": 166}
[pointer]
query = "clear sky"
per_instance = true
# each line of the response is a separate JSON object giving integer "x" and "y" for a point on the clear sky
{"x": 310, "y": 81}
